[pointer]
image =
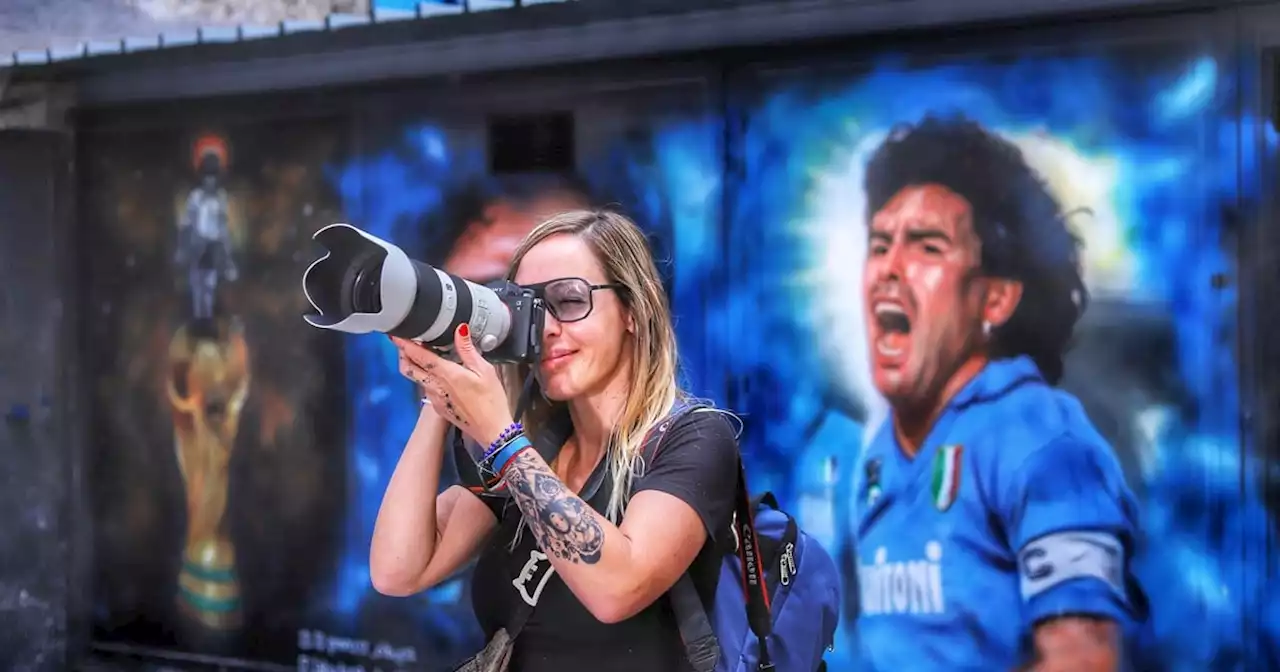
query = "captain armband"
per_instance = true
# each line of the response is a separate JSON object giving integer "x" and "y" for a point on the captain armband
{"x": 1064, "y": 556}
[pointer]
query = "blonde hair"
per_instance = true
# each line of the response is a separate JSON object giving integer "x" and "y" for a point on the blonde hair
{"x": 652, "y": 389}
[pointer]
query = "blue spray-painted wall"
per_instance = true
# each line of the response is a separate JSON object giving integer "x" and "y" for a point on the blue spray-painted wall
{"x": 1140, "y": 144}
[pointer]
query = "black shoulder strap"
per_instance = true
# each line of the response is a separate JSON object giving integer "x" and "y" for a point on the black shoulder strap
{"x": 701, "y": 646}
{"x": 519, "y": 618}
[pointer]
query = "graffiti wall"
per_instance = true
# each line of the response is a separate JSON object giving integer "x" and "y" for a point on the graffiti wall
{"x": 218, "y": 470}
{"x": 242, "y": 455}
{"x": 273, "y": 477}
{"x": 423, "y": 184}
{"x": 1131, "y": 152}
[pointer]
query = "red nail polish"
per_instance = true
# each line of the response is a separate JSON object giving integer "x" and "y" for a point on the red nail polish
{"x": 464, "y": 330}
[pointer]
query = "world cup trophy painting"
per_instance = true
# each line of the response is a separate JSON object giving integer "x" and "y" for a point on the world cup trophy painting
{"x": 208, "y": 382}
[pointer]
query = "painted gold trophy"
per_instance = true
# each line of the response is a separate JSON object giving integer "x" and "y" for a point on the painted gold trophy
{"x": 207, "y": 386}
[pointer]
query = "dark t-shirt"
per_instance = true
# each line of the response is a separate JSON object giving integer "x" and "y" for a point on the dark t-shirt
{"x": 697, "y": 463}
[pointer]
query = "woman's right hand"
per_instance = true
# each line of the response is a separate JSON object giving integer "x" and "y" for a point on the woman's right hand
{"x": 422, "y": 536}
{"x": 409, "y": 367}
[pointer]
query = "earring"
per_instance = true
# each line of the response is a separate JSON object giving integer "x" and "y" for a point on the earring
{"x": 986, "y": 329}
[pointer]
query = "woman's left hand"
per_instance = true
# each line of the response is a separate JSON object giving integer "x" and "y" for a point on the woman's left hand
{"x": 468, "y": 394}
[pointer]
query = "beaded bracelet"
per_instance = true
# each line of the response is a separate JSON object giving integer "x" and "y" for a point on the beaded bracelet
{"x": 485, "y": 462}
{"x": 511, "y": 432}
{"x": 494, "y": 464}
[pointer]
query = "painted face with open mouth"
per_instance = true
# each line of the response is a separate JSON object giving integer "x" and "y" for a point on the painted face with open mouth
{"x": 893, "y": 332}
{"x": 923, "y": 304}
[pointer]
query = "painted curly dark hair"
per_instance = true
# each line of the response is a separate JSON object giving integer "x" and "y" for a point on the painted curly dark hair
{"x": 1023, "y": 230}
{"x": 466, "y": 202}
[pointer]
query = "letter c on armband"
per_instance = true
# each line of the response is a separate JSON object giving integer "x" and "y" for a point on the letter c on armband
{"x": 1056, "y": 558}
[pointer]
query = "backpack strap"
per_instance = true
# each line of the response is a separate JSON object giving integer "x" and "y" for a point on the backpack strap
{"x": 701, "y": 646}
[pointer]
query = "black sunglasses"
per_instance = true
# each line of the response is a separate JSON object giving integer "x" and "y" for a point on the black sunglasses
{"x": 569, "y": 299}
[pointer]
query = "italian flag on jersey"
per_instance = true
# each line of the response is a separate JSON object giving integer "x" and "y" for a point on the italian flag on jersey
{"x": 946, "y": 476}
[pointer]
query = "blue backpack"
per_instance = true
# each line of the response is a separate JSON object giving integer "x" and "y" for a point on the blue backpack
{"x": 784, "y": 619}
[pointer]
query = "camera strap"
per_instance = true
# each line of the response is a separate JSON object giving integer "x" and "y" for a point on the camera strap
{"x": 526, "y": 394}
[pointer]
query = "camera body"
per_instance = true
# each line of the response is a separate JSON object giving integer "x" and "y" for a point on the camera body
{"x": 363, "y": 284}
{"x": 523, "y": 343}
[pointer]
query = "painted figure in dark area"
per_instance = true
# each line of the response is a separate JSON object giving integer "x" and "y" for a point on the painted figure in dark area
{"x": 994, "y": 525}
{"x": 207, "y": 388}
{"x": 204, "y": 249}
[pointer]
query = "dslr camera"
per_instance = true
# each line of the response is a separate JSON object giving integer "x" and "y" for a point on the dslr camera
{"x": 364, "y": 284}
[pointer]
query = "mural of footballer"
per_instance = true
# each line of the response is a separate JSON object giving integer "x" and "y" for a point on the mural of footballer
{"x": 994, "y": 526}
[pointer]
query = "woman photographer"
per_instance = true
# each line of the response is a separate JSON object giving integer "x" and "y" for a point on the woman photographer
{"x": 585, "y": 578}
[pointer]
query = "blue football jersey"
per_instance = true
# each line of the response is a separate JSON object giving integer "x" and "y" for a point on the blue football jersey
{"x": 1015, "y": 510}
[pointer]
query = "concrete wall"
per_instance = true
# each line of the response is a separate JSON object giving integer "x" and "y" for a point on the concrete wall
{"x": 43, "y": 598}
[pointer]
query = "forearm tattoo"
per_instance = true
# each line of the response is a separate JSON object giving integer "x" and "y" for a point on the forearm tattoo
{"x": 564, "y": 526}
